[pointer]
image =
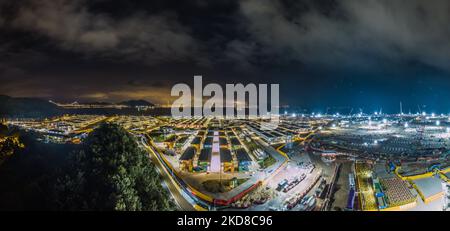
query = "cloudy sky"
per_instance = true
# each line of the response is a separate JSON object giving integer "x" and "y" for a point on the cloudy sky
{"x": 357, "y": 53}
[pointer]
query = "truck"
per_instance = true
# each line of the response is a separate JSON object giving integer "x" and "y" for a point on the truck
{"x": 282, "y": 184}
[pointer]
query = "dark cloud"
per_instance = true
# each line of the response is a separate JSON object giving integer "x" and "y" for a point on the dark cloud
{"x": 105, "y": 49}
{"x": 139, "y": 37}
{"x": 326, "y": 32}
{"x": 354, "y": 32}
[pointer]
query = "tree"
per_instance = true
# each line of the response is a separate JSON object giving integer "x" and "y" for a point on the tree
{"x": 111, "y": 172}
{"x": 9, "y": 143}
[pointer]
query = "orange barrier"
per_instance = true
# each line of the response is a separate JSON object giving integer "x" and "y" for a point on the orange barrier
{"x": 238, "y": 196}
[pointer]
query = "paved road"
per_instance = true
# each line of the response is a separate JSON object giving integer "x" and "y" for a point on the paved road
{"x": 276, "y": 155}
{"x": 180, "y": 199}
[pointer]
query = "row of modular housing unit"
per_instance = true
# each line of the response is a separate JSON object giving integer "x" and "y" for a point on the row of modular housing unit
{"x": 203, "y": 148}
{"x": 271, "y": 136}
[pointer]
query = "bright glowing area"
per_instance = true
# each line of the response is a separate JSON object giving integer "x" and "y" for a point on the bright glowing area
{"x": 334, "y": 125}
{"x": 438, "y": 123}
{"x": 294, "y": 115}
{"x": 424, "y": 113}
{"x": 433, "y": 115}
{"x": 375, "y": 142}
{"x": 385, "y": 121}
{"x": 406, "y": 125}
{"x": 376, "y": 113}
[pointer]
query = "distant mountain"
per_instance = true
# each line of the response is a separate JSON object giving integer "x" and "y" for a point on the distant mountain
{"x": 27, "y": 107}
{"x": 137, "y": 103}
{"x": 97, "y": 103}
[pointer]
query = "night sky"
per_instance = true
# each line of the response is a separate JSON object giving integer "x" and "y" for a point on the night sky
{"x": 351, "y": 53}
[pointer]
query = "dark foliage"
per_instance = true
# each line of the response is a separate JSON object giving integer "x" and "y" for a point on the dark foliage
{"x": 108, "y": 172}
{"x": 28, "y": 177}
{"x": 111, "y": 173}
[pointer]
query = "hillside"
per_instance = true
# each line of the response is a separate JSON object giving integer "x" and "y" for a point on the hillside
{"x": 27, "y": 107}
{"x": 137, "y": 103}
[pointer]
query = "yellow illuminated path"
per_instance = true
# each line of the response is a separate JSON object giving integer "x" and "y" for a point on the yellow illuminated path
{"x": 174, "y": 189}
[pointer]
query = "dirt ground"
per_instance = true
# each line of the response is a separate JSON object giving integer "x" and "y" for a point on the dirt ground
{"x": 341, "y": 188}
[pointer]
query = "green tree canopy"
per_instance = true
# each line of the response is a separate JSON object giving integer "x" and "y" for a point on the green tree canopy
{"x": 112, "y": 173}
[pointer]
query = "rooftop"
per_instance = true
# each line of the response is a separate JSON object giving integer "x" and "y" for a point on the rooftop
{"x": 205, "y": 155}
{"x": 225, "y": 155}
{"x": 223, "y": 141}
{"x": 242, "y": 155}
{"x": 197, "y": 140}
{"x": 235, "y": 141}
{"x": 208, "y": 141}
{"x": 188, "y": 154}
